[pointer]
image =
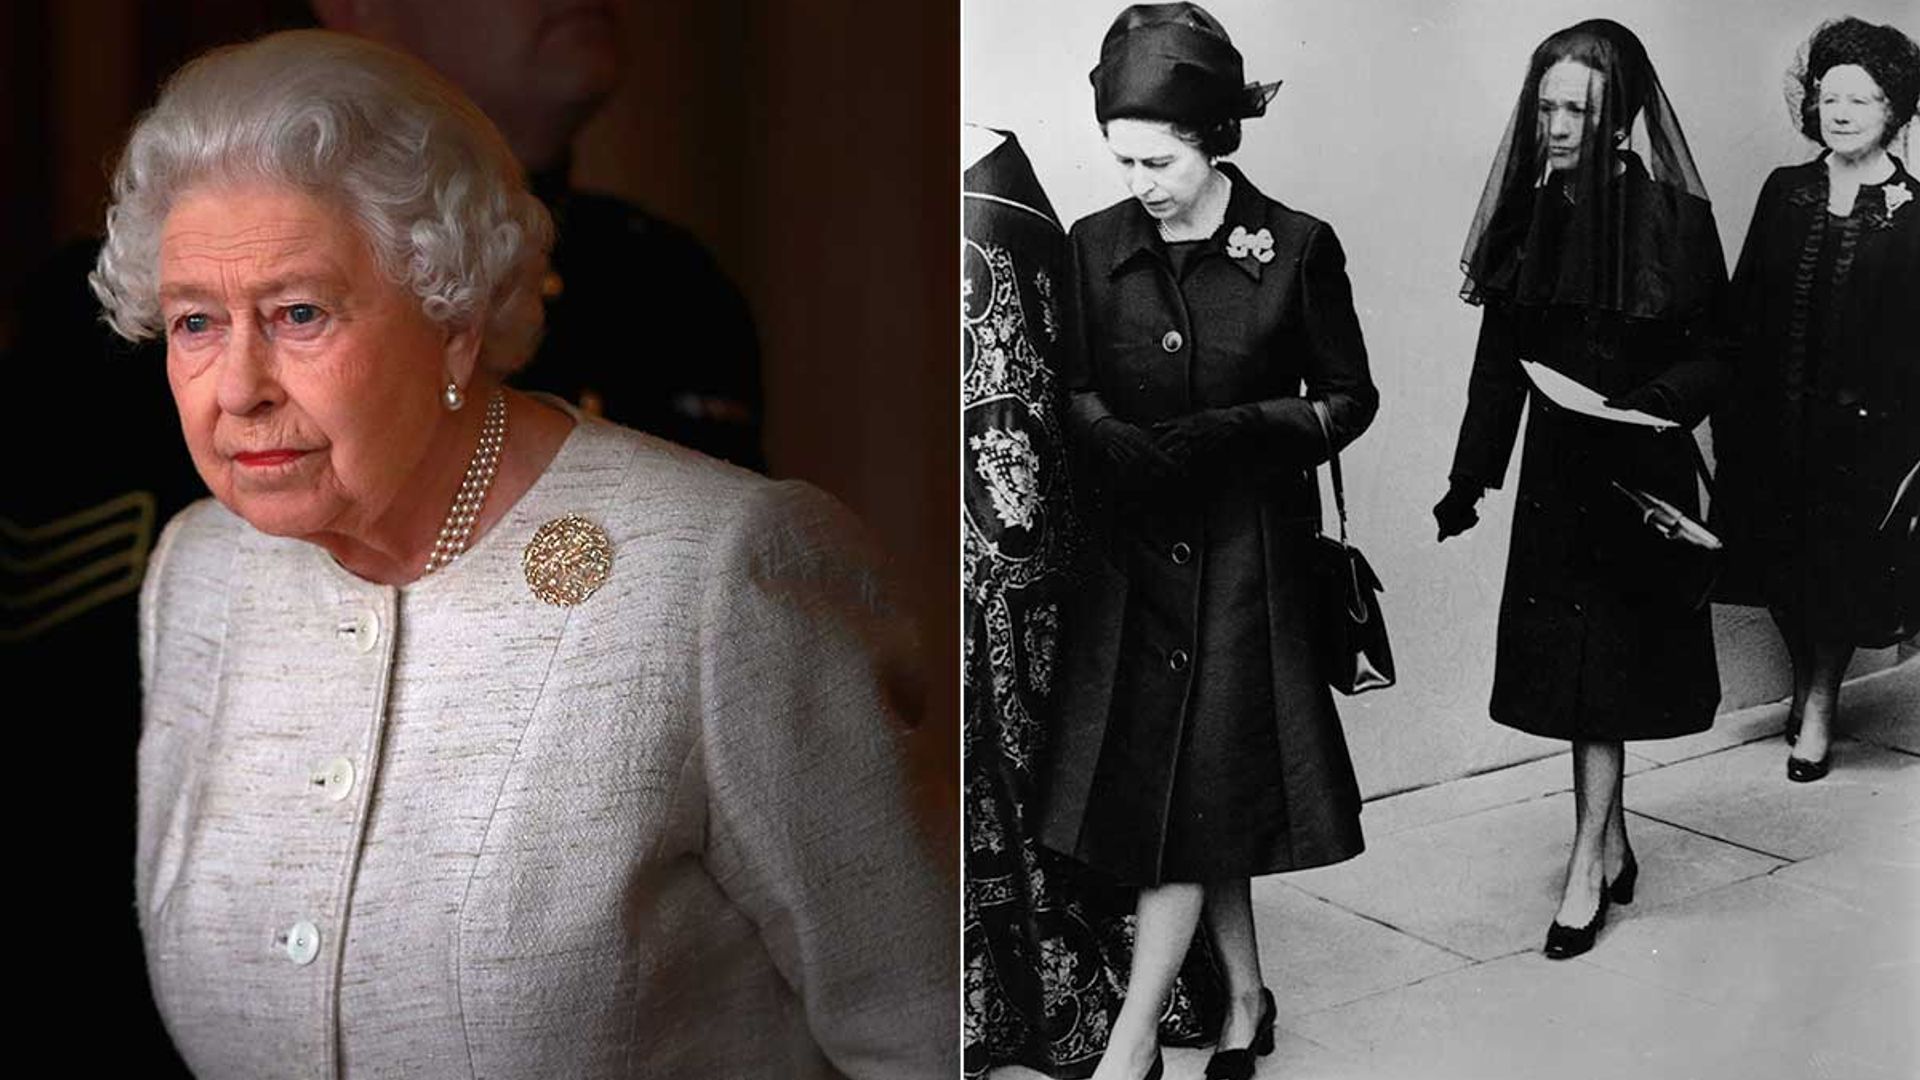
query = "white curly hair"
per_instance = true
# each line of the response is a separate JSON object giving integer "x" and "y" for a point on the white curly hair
{"x": 430, "y": 182}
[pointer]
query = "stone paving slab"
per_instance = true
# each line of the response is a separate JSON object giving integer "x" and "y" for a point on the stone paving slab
{"x": 1486, "y": 885}
{"x": 1524, "y": 1017}
{"x": 1743, "y": 796}
{"x": 1316, "y": 955}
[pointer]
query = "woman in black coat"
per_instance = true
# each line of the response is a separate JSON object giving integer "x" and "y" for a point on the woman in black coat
{"x": 1825, "y": 427}
{"x": 1046, "y": 941}
{"x": 1594, "y": 255}
{"x": 1197, "y": 744}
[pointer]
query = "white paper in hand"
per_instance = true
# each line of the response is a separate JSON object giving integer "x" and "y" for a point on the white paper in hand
{"x": 1575, "y": 396}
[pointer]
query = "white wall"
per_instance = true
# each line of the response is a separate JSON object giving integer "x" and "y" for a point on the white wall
{"x": 1385, "y": 127}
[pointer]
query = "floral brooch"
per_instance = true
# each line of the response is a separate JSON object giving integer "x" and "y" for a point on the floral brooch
{"x": 1241, "y": 243}
{"x": 1897, "y": 197}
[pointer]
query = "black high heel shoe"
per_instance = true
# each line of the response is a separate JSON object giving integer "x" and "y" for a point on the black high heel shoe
{"x": 1566, "y": 942}
{"x": 1802, "y": 771}
{"x": 1620, "y": 890}
{"x": 1239, "y": 1064}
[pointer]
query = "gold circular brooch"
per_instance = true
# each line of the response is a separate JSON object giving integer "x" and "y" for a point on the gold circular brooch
{"x": 567, "y": 559}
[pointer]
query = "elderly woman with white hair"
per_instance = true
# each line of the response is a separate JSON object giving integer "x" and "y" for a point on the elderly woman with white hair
{"x": 480, "y": 737}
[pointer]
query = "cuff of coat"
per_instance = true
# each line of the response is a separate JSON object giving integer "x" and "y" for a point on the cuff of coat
{"x": 1085, "y": 409}
{"x": 1462, "y": 478}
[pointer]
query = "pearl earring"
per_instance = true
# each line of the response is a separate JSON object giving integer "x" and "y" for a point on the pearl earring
{"x": 452, "y": 396}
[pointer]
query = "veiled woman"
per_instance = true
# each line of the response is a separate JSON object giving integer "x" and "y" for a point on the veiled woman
{"x": 1819, "y": 446}
{"x": 1594, "y": 255}
{"x": 1214, "y": 359}
{"x": 479, "y": 738}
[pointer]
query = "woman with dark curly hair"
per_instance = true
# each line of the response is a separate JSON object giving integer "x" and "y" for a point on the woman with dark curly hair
{"x": 1818, "y": 448}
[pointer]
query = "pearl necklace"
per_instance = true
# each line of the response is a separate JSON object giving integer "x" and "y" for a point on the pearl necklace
{"x": 452, "y": 542}
{"x": 1203, "y": 228}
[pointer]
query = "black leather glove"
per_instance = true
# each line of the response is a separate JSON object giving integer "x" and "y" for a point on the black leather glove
{"x": 1649, "y": 399}
{"x": 1201, "y": 437}
{"x": 1134, "y": 463}
{"x": 1454, "y": 512}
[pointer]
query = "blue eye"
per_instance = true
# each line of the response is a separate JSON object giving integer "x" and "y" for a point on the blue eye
{"x": 302, "y": 314}
{"x": 195, "y": 323}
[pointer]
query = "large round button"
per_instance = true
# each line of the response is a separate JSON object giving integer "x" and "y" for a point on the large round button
{"x": 302, "y": 943}
{"x": 1178, "y": 659}
{"x": 1172, "y": 341}
{"x": 360, "y": 628}
{"x": 334, "y": 778}
{"x": 1181, "y": 553}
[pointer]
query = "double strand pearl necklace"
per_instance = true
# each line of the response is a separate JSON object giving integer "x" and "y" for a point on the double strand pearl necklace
{"x": 452, "y": 542}
{"x": 1203, "y": 227}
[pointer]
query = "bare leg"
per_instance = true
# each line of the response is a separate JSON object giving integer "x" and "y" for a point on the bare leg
{"x": 1164, "y": 920}
{"x": 1823, "y": 697}
{"x": 1800, "y": 652}
{"x": 1597, "y": 768}
{"x": 1229, "y": 920}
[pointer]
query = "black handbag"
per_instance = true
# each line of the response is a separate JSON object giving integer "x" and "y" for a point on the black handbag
{"x": 1354, "y": 652}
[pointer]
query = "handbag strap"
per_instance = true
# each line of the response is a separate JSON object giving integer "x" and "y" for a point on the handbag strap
{"x": 1333, "y": 463}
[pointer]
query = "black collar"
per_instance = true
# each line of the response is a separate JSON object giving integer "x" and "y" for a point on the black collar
{"x": 1812, "y": 191}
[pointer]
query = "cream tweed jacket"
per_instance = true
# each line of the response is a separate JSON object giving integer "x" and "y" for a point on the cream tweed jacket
{"x": 450, "y": 830}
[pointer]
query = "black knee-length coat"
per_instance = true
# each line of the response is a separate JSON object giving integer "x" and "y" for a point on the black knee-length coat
{"x": 1196, "y": 738}
{"x": 1602, "y": 631}
{"x": 1824, "y": 423}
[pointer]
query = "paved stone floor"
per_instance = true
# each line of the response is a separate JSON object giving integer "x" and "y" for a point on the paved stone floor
{"x": 1775, "y": 934}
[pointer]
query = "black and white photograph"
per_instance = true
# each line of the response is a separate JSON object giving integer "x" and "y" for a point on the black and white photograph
{"x": 1593, "y": 326}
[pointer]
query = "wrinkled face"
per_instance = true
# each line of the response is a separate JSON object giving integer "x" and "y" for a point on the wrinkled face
{"x": 1163, "y": 171}
{"x": 1853, "y": 111}
{"x": 1569, "y": 100}
{"x": 308, "y": 384}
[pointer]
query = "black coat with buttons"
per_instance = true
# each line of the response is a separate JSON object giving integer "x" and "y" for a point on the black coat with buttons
{"x": 1604, "y": 633}
{"x": 1196, "y": 738}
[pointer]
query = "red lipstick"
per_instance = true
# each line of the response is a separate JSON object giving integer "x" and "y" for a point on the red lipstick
{"x": 268, "y": 458}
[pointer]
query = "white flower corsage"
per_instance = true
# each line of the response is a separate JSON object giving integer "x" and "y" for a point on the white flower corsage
{"x": 1897, "y": 197}
{"x": 1241, "y": 243}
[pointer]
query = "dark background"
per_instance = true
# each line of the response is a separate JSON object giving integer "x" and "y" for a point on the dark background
{"x": 810, "y": 146}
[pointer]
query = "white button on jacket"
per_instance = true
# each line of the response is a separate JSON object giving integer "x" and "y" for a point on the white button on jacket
{"x": 360, "y": 628}
{"x": 335, "y": 778}
{"x": 303, "y": 943}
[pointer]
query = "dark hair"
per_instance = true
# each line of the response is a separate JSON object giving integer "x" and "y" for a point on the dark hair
{"x": 1217, "y": 140}
{"x": 1889, "y": 56}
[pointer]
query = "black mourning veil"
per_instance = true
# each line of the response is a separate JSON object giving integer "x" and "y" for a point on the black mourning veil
{"x": 1628, "y": 228}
